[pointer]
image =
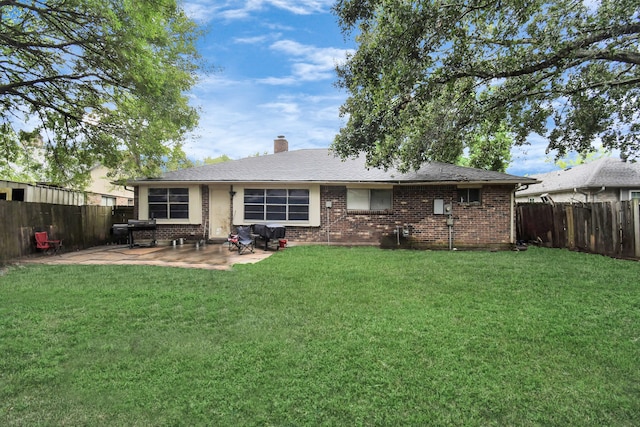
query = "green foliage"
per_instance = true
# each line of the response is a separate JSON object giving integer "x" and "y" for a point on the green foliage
{"x": 326, "y": 336}
{"x": 182, "y": 162}
{"x": 429, "y": 77}
{"x": 489, "y": 151}
{"x": 581, "y": 158}
{"x": 213, "y": 160}
{"x": 99, "y": 81}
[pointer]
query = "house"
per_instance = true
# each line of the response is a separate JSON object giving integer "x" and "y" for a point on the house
{"x": 604, "y": 180}
{"x": 40, "y": 193}
{"x": 320, "y": 198}
{"x": 102, "y": 191}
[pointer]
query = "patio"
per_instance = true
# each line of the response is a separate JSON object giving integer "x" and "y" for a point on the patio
{"x": 206, "y": 256}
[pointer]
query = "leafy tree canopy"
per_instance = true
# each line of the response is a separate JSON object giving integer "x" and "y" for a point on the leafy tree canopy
{"x": 429, "y": 76}
{"x": 489, "y": 152}
{"x": 94, "y": 81}
{"x": 182, "y": 162}
{"x": 580, "y": 158}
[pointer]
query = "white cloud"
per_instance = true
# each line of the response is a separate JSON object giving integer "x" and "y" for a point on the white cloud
{"x": 239, "y": 120}
{"x": 310, "y": 63}
{"x": 206, "y": 10}
{"x": 286, "y": 108}
{"x": 251, "y": 40}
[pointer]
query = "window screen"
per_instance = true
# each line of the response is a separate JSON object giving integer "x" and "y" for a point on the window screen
{"x": 276, "y": 204}
{"x": 168, "y": 203}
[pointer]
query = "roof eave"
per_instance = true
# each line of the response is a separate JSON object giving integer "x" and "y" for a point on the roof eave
{"x": 336, "y": 182}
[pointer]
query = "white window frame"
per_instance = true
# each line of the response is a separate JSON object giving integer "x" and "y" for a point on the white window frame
{"x": 287, "y": 207}
{"x": 314, "y": 204}
{"x": 468, "y": 189}
{"x": 368, "y": 199}
{"x": 180, "y": 200}
{"x": 195, "y": 204}
{"x": 107, "y": 201}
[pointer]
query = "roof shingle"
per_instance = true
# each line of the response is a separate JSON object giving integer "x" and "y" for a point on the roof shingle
{"x": 321, "y": 165}
{"x": 604, "y": 172}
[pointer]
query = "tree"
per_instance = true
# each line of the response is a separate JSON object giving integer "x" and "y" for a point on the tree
{"x": 489, "y": 152}
{"x": 580, "y": 158}
{"x": 428, "y": 76}
{"x": 184, "y": 163}
{"x": 96, "y": 81}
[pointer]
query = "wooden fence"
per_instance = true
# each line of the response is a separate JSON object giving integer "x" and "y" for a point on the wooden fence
{"x": 79, "y": 227}
{"x": 611, "y": 229}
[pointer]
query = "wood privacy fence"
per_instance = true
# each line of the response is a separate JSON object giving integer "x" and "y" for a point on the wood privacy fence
{"x": 608, "y": 228}
{"x": 79, "y": 227}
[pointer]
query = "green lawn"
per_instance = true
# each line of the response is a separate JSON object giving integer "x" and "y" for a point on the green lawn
{"x": 326, "y": 336}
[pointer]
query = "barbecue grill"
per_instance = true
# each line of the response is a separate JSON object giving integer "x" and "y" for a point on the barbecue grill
{"x": 134, "y": 225}
{"x": 269, "y": 232}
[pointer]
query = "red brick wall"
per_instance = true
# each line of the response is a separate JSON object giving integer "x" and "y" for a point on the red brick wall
{"x": 484, "y": 224}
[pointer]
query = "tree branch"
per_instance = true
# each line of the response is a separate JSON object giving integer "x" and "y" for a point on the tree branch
{"x": 567, "y": 52}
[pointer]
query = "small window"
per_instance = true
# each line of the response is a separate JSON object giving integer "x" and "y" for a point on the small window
{"x": 108, "y": 201}
{"x": 468, "y": 195}
{"x": 17, "y": 194}
{"x": 168, "y": 203}
{"x": 634, "y": 194}
{"x": 369, "y": 199}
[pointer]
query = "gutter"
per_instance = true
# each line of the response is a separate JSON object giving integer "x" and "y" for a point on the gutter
{"x": 587, "y": 194}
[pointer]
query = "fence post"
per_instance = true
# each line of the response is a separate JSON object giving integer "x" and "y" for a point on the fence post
{"x": 636, "y": 226}
{"x": 571, "y": 232}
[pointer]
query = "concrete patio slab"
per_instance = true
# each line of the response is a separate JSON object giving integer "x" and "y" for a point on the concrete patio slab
{"x": 206, "y": 256}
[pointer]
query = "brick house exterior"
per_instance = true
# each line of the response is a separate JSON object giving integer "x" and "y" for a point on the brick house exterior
{"x": 220, "y": 195}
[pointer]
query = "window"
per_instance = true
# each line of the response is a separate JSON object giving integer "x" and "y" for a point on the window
{"x": 369, "y": 199}
{"x": 17, "y": 194}
{"x": 634, "y": 194}
{"x": 276, "y": 204}
{"x": 468, "y": 195}
{"x": 168, "y": 203}
{"x": 108, "y": 201}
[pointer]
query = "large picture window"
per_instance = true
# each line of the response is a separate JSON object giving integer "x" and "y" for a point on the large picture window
{"x": 276, "y": 204}
{"x": 168, "y": 203}
{"x": 369, "y": 199}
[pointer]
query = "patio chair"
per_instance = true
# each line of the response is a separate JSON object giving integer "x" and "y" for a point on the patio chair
{"x": 232, "y": 242}
{"x": 245, "y": 241}
{"x": 47, "y": 245}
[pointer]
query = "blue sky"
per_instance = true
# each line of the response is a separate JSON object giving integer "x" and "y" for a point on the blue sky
{"x": 274, "y": 75}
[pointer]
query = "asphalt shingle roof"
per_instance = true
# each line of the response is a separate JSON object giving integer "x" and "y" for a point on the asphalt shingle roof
{"x": 604, "y": 172}
{"x": 320, "y": 165}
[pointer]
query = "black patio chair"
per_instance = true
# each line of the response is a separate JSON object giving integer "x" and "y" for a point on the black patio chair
{"x": 245, "y": 241}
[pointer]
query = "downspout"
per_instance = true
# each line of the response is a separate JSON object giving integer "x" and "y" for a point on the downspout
{"x": 586, "y": 195}
{"x": 513, "y": 217}
{"x": 231, "y": 194}
{"x": 599, "y": 191}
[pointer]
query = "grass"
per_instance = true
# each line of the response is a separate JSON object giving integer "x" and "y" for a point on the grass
{"x": 326, "y": 336}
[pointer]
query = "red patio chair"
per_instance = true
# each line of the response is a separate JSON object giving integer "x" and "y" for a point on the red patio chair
{"x": 47, "y": 245}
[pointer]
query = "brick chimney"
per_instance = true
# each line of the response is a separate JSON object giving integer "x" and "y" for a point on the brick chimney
{"x": 280, "y": 144}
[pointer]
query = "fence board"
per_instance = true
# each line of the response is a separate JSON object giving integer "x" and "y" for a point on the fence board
{"x": 79, "y": 226}
{"x": 611, "y": 229}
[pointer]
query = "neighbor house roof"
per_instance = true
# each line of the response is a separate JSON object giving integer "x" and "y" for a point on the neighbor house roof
{"x": 606, "y": 172}
{"x": 321, "y": 165}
